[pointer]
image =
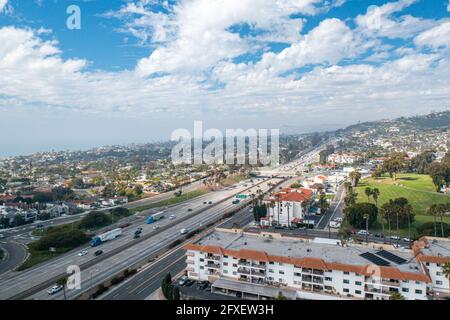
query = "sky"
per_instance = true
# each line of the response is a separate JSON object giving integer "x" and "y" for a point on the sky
{"x": 138, "y": 69}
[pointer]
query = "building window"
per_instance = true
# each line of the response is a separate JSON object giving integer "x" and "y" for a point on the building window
{"x": 201, "y": 259}
{"x": 358, "y": 283}
{"x": 225, "y": 257}
{"x": 438, "y": 273}
{"x": 418, "y": 291}
{"x": 234, "y": 273}
{"x": 328, "y": 279}
{"x": 357, "y": 291}
{"x": 346, "y": 281}
{"x": 439, "y": 282}
{"x": 280, "y": 271}
{"x": 202, "y": 267}
{"x": 235, "y": 265}
{"x": 225, "y": 271}
{"x": 225, "y": 263}
{"x": 405, "y": 289}
{"x": 417, "y": 282}
{"x": 346, "y": 290}
{"x": 271, "y": 270}
{"x": 346, "y": 273}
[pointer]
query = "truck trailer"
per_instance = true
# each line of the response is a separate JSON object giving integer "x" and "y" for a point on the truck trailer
{"x": 110, "y": 235}
{"x": 155, "y": 217}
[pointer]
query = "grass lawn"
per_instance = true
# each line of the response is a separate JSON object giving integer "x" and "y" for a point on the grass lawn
{"x": 418, "y": 189}
{"x": 175, "y": 200}
{"x": 37, "y": 257}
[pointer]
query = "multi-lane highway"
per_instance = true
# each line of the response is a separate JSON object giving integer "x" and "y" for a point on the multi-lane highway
{"x": 125, "y": 254}
{"x": 13, "y": 240}
{"x": 147, "y": 281}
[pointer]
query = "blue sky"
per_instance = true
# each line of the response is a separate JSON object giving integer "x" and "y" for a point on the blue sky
{"x": 148, "y": 67}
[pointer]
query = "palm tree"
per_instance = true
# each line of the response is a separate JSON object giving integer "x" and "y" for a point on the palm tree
{"x": 396, "y": 296}
{"x": 368, "y": 192}
{"x": 288, "y": 206}
{"x": 446, "y": 270}
{"x": 280, "y": 296}
{"x": 441, "y": 211}
{"x": 366, "y": 217}
{"x": 375, "y": 195}
{"x": 62, "y": 282}
{"x": 355, "y": 176}
{"x": 432, "y": 211}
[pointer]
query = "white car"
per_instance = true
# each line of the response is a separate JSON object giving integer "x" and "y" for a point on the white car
{"x": 55, "y": 289}
{"x": 82, "y": 253}
{"x": 155, "y": 227}
{"x": 362, "y": 233}
{"x": 338, "y": 219}
{"x": 407, "y": 239}
{"x": 395, "y": 237}
{"x": 172, "y": 217}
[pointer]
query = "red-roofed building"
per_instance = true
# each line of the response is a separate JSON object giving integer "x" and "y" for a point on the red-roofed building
{"x": 288, "y": 205}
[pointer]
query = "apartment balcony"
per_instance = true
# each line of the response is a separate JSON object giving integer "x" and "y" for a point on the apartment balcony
{"x": 243, "y": 271}
{"x": 212, "y": 273}
{"x": 244, "y": 263}
{"x": 259, "y": 266}
{"x": 370, "y": 289}
{"x": 258, "y": 274}
{"x": 212, "y": 257}
{"x": 390, "y": 283}
{"x": 307, "y": 278}
{"x": 190, "y": 269}
{"x": 318, "y": 280}
{"x": 213, "y": 265}
{"x": 318, "y": 272}
{"x": 305, "y": 270}
{"x": 190, "y": 254}
{"x": 189, "y": 261}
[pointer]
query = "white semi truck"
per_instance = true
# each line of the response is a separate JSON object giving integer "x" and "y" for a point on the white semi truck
{"x": 110, "y": 235}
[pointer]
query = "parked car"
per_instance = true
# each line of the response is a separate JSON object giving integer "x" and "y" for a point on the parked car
{"x": 183, "y": 280}
{"x": 363, "y": 233}
{"x": 210, "y": 202}
{"x": 395, "y": 237}
{"x": 189, "y": 209}
{"x": 54, "y": 289}
{"x": 98, "y": 252}
{"x": 407, "y": 239}
{"x": 83, "y": 253}
{"x": 189, "y": 282}
{"x": 155, "y": 227}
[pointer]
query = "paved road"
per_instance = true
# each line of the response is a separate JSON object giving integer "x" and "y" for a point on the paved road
{"x": 15, "y": 254}
{"x": 96, "y": 272}
{"x": 336, "y": 209}
{"x": 12, "y": 235}
{"x": 149, "y": 280}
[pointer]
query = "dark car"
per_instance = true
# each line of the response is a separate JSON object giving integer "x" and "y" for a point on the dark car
{"x": 137, "y": 236}
{"x": 98, "y": 252}
{"x": 204, "y": 285}
{"x": 210, "y": 202}
{"x": 189, "y": 209}
{"x": 40, "y": 226}
{"x": 189, "y": 283}
{"x": 204, "y": 202}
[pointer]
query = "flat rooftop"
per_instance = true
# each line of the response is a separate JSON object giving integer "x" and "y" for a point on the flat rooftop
{"x": 300, "y": 248}
{"x": 437, "y": 247}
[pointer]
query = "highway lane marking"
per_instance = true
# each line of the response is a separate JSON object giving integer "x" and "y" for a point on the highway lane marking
{"x": 158, "y": 273}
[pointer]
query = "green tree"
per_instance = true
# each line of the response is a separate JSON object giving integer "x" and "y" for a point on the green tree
{"x": 368, "y": 192}
{"x": 280, "y": 296}
{"x": 62, "y": 282}
{"x": 394, "y": 164}
{"x": 355, "y": 215}
{"x": 355, "y": 176}
{"x": 396, "y": 296}
{"x": 375, "y": 195}
{"x": 94, "y": 219}
{"x": 446, "y": 270}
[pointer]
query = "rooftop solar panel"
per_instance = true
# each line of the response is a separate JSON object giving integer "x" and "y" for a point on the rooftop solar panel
{"x": 391, "y": 257}
{"x": 374, "y": 259}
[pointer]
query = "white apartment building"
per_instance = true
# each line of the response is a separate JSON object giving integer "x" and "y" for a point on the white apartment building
{"x": 285, "y": 206}
{"x": 433, "y": 253}
{"x": 264, "y": 264}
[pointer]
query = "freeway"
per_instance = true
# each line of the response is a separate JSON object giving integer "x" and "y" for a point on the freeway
{"x": 15, "y": 254}
{"x": 38, "y": 276}
{"x": 144, "y": 283}
{"x": 15, "y": 250}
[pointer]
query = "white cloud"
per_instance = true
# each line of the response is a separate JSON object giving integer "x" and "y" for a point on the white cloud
{"x": 436, "y": 37}
{"x": 378, "y": 21}
{"x": 3, "y": 4}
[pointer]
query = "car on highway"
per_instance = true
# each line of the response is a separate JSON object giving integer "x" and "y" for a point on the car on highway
{"x": 54, "y": 289}
{"x": 236, "y": 201}
{"x": 204, "y": 202}
{"x": 395, "y": 237}
{"x": 136, "y": 236}
{"x": 183, "y": 231}
{"x": 98, "y": 252}
{"x": 363, "y": 233}
{"x": 210, "y": 202}
{"x": 82, "y": 253}
{"x": 139, "y": 229}
{"x": 40, "y": 226}
{"x": 183, "y": 280}
{"x": 155, "y": 227}
{"x": 189, "y": 209}
{"x": 171, "y": 217}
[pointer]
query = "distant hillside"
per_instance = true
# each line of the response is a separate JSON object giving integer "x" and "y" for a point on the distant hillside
{"x": 423, "y": 122}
